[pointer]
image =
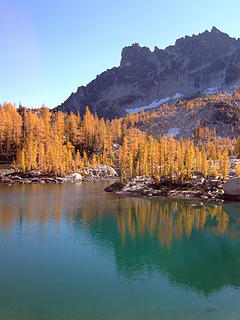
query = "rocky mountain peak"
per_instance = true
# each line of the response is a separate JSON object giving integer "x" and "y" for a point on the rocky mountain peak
{"x": 131, "y": 55}
{"x": 192, "y": 65}
{"x": 216, "y": 30}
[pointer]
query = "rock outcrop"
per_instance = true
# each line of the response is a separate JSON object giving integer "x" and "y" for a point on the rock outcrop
{"x": 222, "y": 116}
{"x": 194, "y": 64}
{"x": 197, "y": 187}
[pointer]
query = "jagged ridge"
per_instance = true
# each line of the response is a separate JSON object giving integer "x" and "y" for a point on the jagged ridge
{"x": 192, "y": 65}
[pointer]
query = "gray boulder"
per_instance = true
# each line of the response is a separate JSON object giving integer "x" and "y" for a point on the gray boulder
{"x": 232, "y": 188}
{"x": 73, "y": 178}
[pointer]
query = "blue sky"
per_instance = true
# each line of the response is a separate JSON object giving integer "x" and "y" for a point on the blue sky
{"x": 50, "y": 47}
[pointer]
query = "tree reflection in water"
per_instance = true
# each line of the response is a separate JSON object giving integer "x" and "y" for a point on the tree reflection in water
{"x": 195, "y": 245}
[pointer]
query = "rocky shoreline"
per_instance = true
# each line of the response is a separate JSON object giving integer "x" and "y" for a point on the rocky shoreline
{"x": 198, "y": 187}
{"x": 90, "y": 174}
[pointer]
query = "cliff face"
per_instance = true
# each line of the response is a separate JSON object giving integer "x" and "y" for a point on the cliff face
{"x": 193, "y": 65}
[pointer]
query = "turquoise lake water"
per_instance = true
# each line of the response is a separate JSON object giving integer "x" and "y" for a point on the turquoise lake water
{"x": 76, "y": 252}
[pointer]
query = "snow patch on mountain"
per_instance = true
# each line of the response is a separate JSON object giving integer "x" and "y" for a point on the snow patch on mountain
{"x": 211, "y": 90}
{"x": 152, "y": 105}
{"x": 177, "y": 95}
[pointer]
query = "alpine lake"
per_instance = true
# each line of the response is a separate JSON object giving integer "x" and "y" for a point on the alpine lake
{"x": 73, "y": 251}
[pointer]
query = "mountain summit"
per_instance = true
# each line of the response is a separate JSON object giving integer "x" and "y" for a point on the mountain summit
{"x": 194, "y": 65}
